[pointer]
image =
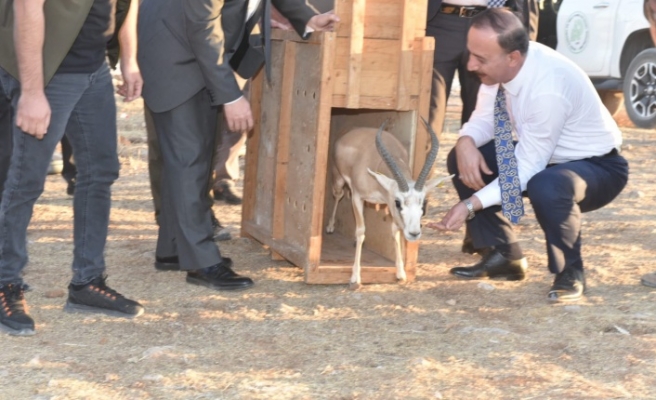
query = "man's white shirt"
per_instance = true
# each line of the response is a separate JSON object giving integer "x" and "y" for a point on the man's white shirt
{"x": 556, "y": 113}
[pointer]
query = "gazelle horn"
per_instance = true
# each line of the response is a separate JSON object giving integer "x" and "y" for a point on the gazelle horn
{"x": 398, "y": 176}
{"x": 430, "y": 159}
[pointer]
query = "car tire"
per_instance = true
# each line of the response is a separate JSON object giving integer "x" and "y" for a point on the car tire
{"x": 640, "y": 89}
{"x": 612, "y": 99}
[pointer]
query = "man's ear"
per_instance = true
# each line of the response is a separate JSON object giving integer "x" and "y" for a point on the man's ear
{"x": 515, "y": 58}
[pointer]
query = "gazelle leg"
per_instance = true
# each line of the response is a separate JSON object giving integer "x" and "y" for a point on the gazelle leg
{"x": 338, "y": 193}
{"x": 400, "y": 271}
{"x": 358, "y": 211}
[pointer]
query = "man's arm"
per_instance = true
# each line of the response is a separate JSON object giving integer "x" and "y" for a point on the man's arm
{"x": 303, "y": 18}
{"x": 33, "y": 111}
{"x": 127, "y": 37}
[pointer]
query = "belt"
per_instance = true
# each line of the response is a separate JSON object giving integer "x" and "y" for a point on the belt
{"x": 461, "y": 11}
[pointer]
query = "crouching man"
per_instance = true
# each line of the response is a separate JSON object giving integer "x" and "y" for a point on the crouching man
{"x": 54, "y": 74}
{"x": 565, "y": 158}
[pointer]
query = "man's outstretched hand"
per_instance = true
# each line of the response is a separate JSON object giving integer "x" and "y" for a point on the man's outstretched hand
{"x": 323, "y": 22}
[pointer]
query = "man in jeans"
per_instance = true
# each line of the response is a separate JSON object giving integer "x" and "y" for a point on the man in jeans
{"x": 56, "y": 77}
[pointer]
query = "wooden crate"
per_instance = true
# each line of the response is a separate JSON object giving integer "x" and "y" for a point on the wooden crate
{"x": 301, "y": 113}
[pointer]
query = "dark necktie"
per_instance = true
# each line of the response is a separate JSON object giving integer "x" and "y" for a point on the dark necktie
{"x": 495, "y": 3}
{"x": 512, "y": 205}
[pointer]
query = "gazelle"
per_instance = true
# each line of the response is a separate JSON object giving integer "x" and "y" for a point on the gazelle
{"x": 381, "y": 176}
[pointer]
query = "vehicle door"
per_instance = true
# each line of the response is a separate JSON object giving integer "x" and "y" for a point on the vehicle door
{"x": 585, "y": 31}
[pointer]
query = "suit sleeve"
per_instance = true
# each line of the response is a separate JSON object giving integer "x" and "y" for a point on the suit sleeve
{"x": 297, "y": 12}
{"x": 206, "y": 39}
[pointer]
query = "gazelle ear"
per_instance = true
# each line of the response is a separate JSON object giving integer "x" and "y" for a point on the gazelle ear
{"x": 388, "y": 184}
{"x": 430, "y": 185}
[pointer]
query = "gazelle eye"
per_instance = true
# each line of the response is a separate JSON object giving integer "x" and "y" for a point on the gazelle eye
{"x": 423, "y": 208}
{"x": 398, "y": 204}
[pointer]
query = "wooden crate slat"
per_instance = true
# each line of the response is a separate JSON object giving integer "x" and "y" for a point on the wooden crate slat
{"x": 284, "y": 128}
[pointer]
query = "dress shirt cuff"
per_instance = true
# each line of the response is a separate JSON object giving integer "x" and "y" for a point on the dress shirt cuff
{"x": 490, "y": 195}
{"x": 307, "y": 32}
{"x": 234, "y": 101}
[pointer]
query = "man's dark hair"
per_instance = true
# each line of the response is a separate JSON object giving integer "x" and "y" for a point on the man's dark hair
{"x": 511, "y": 32}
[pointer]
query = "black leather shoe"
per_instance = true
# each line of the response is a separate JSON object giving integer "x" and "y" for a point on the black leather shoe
{"x": 70, "y": 187}
{"x": 226, "y": 193}
{"x": 569, "y": 285}
{"x": 494, "y": 265}
{"x": 219, "y": 277}
{"x": 220, "y": 232}
{"x": 167, "y": 263}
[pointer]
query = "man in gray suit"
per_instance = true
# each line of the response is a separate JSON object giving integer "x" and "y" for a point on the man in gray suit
{"x": 188, "y": 53}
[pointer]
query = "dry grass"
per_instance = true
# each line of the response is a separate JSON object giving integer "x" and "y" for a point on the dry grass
{"x": 436, "y": 338}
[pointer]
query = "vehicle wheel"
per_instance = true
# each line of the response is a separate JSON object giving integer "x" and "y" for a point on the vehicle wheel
{"x": 612, "y": 100}
{"x": 640, "y": 89}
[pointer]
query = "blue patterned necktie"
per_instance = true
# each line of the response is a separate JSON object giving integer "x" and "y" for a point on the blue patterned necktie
{"x": 512, "y": 205}
{"x": 495, "y": 3}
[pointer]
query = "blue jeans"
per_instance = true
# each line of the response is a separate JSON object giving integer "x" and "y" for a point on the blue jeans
{"x": 83, "y": 106}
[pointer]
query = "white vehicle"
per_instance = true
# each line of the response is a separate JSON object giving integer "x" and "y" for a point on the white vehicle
{"x": 610, "y": 41}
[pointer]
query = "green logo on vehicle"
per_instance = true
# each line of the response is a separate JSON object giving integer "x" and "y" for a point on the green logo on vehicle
{"x": 576, "y": 33}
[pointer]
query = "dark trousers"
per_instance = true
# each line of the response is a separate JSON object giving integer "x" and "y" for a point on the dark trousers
{"x": 186, "y": 136}
{"x": 5, "y": 136}
{"x": 558, "y": 195}
{"x": 69, "y": 172}
{"x": 451, "y": 55}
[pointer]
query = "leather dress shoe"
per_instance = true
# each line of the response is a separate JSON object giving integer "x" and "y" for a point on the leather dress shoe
{"x": 219, "y": 277}
{"x": 226, "y": 193}
{"x": 219, "y": 232}
{"x": 569, "y": 285}
{"x": 70, "y": 187}
{"x": 167, "y": 263}
{"x": 649, "y": 280}
{"x": 494, "y": 265}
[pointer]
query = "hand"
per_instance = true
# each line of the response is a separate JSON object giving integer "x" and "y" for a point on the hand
{"x": 278, "y": 21}
{"x": 453, "y": 220}
{"x": 470, "y": 164}
{"x": 132, "y": 84}
{"x": 238, "y": 115}
{"x": 323, "y": 22}
{"x": 33, "y": 113}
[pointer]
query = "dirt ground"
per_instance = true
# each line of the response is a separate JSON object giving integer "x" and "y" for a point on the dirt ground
{"x": 435, "y": 338}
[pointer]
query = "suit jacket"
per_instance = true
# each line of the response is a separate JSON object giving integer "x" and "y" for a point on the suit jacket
{"x": 64, "y": 19}
{"x": 185, "y": 46}
{"x": 527, "y": 9}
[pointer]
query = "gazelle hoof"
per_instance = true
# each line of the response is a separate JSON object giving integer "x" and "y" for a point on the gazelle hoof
{"x": 355, "y": 286}
{"x": 330, "y": 229}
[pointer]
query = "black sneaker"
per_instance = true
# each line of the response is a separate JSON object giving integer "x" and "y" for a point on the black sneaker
{"x": 219, "y": 277}
{"x": 13, "y": 311}
{"x": 97, "y": 297}
{"x": 569, "y": 285}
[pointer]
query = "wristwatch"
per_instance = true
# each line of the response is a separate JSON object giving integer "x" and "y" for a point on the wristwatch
{"x": 470, "y": 208}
